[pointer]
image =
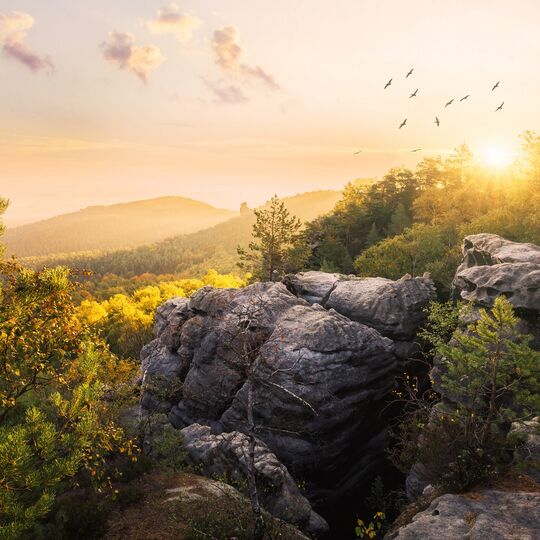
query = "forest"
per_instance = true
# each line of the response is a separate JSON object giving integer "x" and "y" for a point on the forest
{"x": 72, "y": 329}
{"x": 409, "y": 222}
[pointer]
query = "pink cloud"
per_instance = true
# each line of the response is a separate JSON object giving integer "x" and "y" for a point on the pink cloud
{"x": 13, "y": 30}
{"x": 120, "y": 49}
{"x": 229, "y": 53}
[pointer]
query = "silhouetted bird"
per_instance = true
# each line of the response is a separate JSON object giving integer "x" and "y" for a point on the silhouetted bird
{"x": 410, "y": 73}
{"x": 403, "y": 123}
{"x": 465, "y": 97}
{"x": 449, "y": 103}
{"x": 437, "y": 121}
{"x": 359, "y": 152}
{"x": 388, "y": 84}
{"x": 413, "y": 94}
{"x": 499, "y": 107}
{"x": 496, "y": 86}
{"x": 416, "y": 150}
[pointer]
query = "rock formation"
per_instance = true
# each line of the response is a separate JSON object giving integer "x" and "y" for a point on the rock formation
{"x": 493, "y": 266}
{"x": 394, "y": 308}
{"x": 493, "y": 515}
{"x": 226, "y": 454}
{"x": 319, "y": 355}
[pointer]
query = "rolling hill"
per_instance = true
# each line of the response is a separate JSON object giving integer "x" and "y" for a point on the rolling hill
{"x": 112, "y": 227}
{"x": 193, "y": 254}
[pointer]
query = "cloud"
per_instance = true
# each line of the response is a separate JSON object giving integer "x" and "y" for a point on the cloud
{"x": 13, "y": 30}
{"x": 229, "y": 54}
{"x": 227, "y": 93}
{"x": 120, "y": 49}
{"x": 170, "y": 20}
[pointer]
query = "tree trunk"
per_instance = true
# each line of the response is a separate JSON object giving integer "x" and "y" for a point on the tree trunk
{"x": 492, "y": 395}
{"x": 258, "y": 533}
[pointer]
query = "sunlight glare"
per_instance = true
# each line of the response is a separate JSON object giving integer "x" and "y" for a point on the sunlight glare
{"x": 497, "y": 156}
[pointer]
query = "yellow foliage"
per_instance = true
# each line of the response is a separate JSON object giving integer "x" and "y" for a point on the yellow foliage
{"x": 126, "y": 321}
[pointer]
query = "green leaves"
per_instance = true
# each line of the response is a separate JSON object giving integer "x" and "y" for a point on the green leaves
{"x": 53, "y": 418}
{"x": 371, "y": 530}
{"x": 277, "y": 247}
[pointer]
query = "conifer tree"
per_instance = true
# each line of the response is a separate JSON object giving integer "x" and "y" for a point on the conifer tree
{"x": 277, "y": 245}
{"x": 492, "y": 372}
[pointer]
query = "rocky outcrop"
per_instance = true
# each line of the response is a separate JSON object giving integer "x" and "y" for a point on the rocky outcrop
{"x": 226, "y": 455}
{"x": 493, "y": 515}
{"x": 493, "y": 266}
{"x": 316, "y": 355}
{"x": 177, "y": 506}
{"x": 490, "y": 249}
{"x": 394, "y": 308}
{"x": 313, "y": 286}
{"x": 528, "y": 454}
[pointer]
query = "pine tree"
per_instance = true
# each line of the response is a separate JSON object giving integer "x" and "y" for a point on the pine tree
{"x": 492, "y": 372}
{"x": 277, "y": 245}
{"x": 373, "y": 236}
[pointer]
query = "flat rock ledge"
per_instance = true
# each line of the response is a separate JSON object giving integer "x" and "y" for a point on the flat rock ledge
{"x": 486, "y": 515}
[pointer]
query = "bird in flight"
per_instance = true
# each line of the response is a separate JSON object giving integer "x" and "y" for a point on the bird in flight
{"x": 449, "y": 103}
{"x": 410, "y": 73}
{"x": 416, "y": 150}
{"x": 403, "y": 123}
{"x": 358, "y": 152}
{"x": 499, "y": 107}
{"x": 464, "y": 97}
{"x": 413, "y": 94}
{"x": 437, "y": 121}
{"x": 388, "y": 84}
{"x": 495, "y": 86}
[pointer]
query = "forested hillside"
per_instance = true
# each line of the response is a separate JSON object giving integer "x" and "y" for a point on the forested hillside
{"x": 191, "y": 255}
{"x": 116, "y": 226}
{"x": 412, "y": 221}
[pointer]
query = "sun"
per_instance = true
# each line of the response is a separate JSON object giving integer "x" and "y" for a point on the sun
{"x": 497, "y": 157}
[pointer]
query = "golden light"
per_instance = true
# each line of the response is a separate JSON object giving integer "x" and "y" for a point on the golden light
{"x": 497, "y": 157}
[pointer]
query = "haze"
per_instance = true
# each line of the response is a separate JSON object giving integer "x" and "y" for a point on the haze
{"x": 223, "y": 102}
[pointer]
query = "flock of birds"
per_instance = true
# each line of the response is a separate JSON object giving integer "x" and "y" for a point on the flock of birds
{"x": 437, "y": 121}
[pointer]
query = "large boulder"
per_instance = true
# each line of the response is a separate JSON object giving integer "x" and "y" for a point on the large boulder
{"x": 488, "y": 249}
{"x": 226, "y": 455}
{"x": 493, "y": 515}
{"x": 493, "y": 266}
{"x": 395, "y": 308}
{"x": 317, "y": 383}
{"x": 319, "y": 378}
{"x": 315, "y": 355}
{"x": 519, "y": 282}
{"x": 313, "y": 286}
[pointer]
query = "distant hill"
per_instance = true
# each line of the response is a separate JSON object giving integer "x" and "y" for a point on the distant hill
{"x": 192, "y": 254}
{"x": 112, "y": 227}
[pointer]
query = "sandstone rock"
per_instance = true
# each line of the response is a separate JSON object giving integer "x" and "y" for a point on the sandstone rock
{"x": 317, "y": 381}
{"x": 394, "y": 308}
{"x": 489, "y": 249}
{"x": 493, "y": 515}
{"x": 519, "y": 282}
{"x": 313, "y": 286}
{"x": 319, "y": 378}
{"x": 227, "y": 454}
{"x": 169, "y": 319}
{"x": 493, "y": 266}
{"x": 416, "y": 482}
{"x": 529, "y": 453}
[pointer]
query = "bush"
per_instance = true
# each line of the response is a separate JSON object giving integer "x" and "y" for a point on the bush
{"x": 54, "y": 420}
{"x": 489, "y": 377}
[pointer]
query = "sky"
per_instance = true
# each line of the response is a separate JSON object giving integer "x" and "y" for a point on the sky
{"x": 230, "y": 101}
